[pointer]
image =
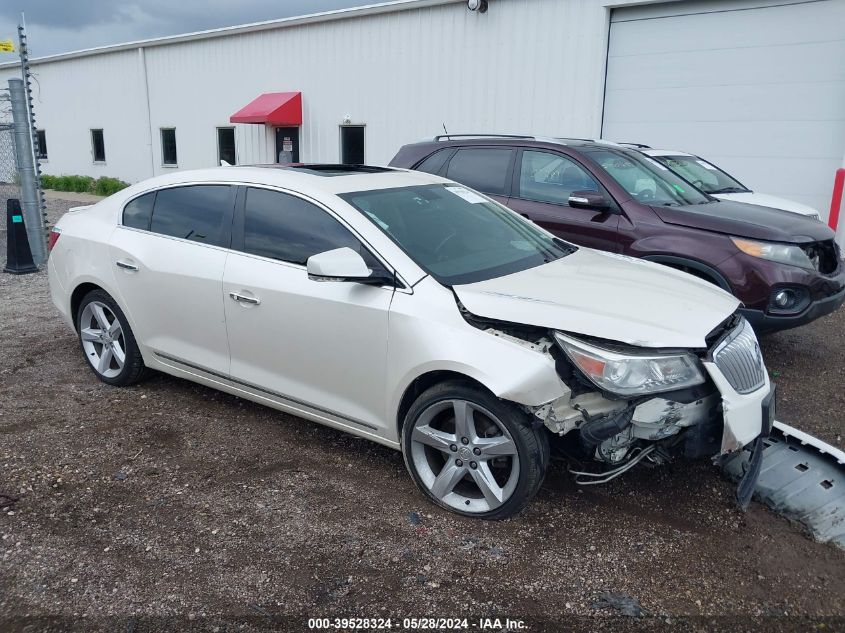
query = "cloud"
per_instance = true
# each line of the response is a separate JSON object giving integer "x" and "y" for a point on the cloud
{"x": 56, "y": 26}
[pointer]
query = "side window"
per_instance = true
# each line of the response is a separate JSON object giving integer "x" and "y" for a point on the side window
{"x": 287, "y": 228}
{"x": 434, "y": 163}
{"x": 195, "y": 212}
{"x": 485, "y": 168}
{"x": 138, "y": 212}
{"x": 547, "y": 177}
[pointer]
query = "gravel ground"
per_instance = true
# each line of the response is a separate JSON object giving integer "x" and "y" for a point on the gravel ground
{"x": 170, "y": 506}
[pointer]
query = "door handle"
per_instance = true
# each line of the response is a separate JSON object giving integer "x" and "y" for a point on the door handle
{"x": 126, "y": 265}
{"x": 244, "y": 299}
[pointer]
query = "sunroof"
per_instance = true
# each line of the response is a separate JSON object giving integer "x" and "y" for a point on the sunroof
{"x": 337, "y": 170}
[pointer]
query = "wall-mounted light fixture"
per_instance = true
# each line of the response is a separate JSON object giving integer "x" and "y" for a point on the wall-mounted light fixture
{"x": 477, "y": 5}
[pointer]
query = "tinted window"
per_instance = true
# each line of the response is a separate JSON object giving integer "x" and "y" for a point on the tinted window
{"x": 98, "y": 146}
{"x": 226, "y": 145}
{"x": 457, "y": 235}
{"x": 168, "y": 146}
{"x": 41, "y": 137}
{"x": 193, "y": 213}
{"x": 433, "y": 163}
{"x": 138, "y": 212}
{"x": 547, "y": 177}
{"x": 287, "y": 228}
{"x": 485, "y": 169}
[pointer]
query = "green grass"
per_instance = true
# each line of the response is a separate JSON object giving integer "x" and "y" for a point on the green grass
{"x": 103, "y": 186}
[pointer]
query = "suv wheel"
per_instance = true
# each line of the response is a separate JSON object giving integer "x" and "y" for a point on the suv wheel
{"x": 107, "y": 340}
{"x": 472, "y": 453}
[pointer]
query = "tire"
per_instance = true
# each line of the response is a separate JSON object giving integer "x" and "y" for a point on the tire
{"x": 491, "y": 468}
{"x": 111, "y": 352}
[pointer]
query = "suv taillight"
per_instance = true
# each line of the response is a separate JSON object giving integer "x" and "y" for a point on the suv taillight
{"x": 55, "y": 234}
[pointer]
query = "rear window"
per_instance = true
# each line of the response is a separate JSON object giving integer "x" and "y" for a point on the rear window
{"x": 195, "y": 212}
{"x": 485, "y": 168}
{"x": 434, "y": 163}
{"x": 138, "y": 212}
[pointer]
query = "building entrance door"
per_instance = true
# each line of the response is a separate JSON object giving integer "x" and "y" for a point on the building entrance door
{"x": 287, "y": 144}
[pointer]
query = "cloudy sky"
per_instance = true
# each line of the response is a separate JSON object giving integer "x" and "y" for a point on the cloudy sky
{"x": 57, "y": 26}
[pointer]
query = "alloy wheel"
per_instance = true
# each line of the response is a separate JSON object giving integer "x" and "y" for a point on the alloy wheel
{"x": 465, "y": 456}
{"x": 102, "y": 339}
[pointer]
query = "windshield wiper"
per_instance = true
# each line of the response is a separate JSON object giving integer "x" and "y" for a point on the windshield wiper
{"x": 729, "y": 190}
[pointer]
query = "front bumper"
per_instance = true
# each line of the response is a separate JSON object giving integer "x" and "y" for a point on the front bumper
{"x": 763, "y": 322}
{"x": 742, "y": 414}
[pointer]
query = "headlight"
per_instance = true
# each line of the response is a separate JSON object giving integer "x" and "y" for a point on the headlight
{"x": 632, "y": 374}
{"x": 783, "y": 253}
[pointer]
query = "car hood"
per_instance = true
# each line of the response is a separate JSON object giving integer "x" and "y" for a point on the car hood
{"x": 746, "y": 220}
{"x": 607, "y": 296}
{"x": 773, "y": 202}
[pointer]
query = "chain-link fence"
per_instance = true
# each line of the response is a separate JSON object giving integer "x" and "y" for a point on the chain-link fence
{"x": 9, "y": 180}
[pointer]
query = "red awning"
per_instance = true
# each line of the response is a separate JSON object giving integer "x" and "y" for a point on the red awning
{"x": 275, "y": 108}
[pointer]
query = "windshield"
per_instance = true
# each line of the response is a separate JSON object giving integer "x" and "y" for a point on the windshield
{"x": 645, "y": 179}
{"x": 702, "y": 174}
{"x": 457, "y": 235}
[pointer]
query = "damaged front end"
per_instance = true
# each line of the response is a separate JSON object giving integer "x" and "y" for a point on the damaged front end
{"x": 630, "y": 405}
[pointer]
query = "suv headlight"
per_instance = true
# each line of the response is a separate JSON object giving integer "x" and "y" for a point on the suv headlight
{"x": 632, "y": 374}
{"x": 782, "y": 253}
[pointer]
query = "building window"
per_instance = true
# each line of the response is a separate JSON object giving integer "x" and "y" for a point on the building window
{"x": 226, "y": 145}
{"x": 98, "y": 146}
{"x": 41, "y": 139}
{"x": 352, "y": 144}
{"x": 168, "y": 146}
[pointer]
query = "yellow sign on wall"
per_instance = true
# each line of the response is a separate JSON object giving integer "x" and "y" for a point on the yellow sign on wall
{"x": 7, "y": 46}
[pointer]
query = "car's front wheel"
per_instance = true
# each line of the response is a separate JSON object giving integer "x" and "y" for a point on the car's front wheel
{"x": 472, "y": 453}
{"x": 107, "y": 340}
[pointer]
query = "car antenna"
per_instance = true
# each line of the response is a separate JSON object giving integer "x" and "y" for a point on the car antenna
{"x": 445, "y": 131}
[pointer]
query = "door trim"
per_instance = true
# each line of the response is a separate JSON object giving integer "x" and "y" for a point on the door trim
{"x": 261, "y": 390}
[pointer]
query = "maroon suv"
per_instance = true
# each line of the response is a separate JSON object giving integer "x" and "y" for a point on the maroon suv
{"x": 784, "y": 267}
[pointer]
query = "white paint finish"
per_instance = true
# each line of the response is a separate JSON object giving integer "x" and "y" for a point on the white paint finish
{"x": 174, "y": 300}
{"x": 607, "y": 296}
{"x": 317, "y": 342}
{"x": 765, "y": 200}
{"x": 758, "y": 89}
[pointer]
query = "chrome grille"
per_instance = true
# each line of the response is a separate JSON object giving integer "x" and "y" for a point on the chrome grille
{"x": 739, "y": 359}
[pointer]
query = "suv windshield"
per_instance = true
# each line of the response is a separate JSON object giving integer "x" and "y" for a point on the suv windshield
{"x": 702, "y": 174}
{"x": 645, "y": 179}
{"x": 457, "y": 235}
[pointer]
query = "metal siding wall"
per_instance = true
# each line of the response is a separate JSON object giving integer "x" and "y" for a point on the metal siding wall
{"x": 526, "y": 66}
{"x": 759, "y": 91}
{"x": 74, "y": 96}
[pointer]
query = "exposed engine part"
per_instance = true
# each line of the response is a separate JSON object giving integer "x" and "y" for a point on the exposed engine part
{"x": 541, "y": 345}
{"x": 651, "y": 452}
{"x": 566, "y": 414}
{"x": 596, "y": 430}
{"x": 658, "y": 418}
{"x": 614, "y": 450}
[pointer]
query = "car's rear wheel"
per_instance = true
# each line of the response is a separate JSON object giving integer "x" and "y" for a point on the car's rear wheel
{"x": 107, "y": 340}
{"x": 472, "y": 453}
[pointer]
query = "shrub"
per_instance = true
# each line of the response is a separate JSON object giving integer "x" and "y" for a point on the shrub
{"x": 103, "y": 186}
{"x": 106, "y": 186}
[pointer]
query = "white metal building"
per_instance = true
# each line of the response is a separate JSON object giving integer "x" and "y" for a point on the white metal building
{"x": 756, "y": 86}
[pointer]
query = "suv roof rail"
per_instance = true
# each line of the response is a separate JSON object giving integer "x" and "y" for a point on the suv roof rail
{"x": 440, "y": 137}
{"x": 636, "y": 145}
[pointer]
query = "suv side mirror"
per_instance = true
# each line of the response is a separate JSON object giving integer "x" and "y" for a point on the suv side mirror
{"x": 589, "y": 200}
{"x": 343, "y": 264}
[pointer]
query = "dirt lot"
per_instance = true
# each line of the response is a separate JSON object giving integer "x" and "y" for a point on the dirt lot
{"x": 169, "y": 506}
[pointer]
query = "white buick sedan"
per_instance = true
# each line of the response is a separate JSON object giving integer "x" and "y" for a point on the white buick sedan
{"x": 407, "y": 309}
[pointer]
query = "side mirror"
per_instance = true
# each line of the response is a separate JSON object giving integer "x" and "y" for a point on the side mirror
{"x": 343, "y": 264}
{"x": 589, "y": 200}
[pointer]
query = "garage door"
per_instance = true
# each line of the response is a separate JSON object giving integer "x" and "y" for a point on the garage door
{"x": 756, "y": 87}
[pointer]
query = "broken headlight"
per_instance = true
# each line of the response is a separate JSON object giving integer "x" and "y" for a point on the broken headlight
{"x": 632, "y": 374}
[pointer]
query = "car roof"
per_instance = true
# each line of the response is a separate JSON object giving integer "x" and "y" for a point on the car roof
{"x": 311, "y": 179}
{"x": 665, "y": 152}
{"x": 457, "y": 140}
